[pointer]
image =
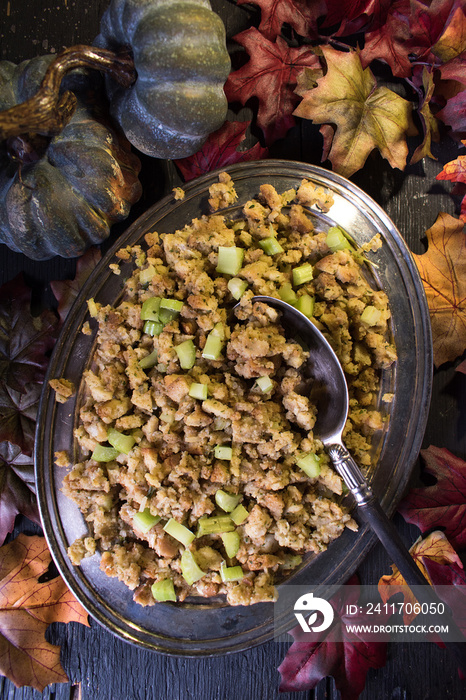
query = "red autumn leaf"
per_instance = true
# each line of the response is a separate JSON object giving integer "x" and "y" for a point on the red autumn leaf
{"x": 66, "y": 291}
{"x": 455, "y": 69}
{"x": 452, "y": 41}
{"x": 390, "y": 41}
{"x": 356, "y": 15}
{"x": 301, "y": 15}
{"x": 427, "y": 24}
{"x": 25, "y": 341}
{"x": 27, "y": 608}
{"x": 16, "y": 488}
{"x": 442, "y": 505}
{"x": 335, "y": 652}
{"x": 454, "y": 114}
{"x": 443, "y": 272}
{"x": 270, "y": 75}
{"x": 436, "y": 549}
{"x": 220, "y": 150}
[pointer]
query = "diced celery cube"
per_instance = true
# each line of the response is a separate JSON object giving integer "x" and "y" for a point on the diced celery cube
{"x": 150, "y": 309}
{"x": 214, "y": 343}
{"x": 145, "y": 521}
{"x": 120, "y": 441}
{"x": 214, "y": 525}
{"x": 186, "y": 352}
{"x": 146, "y": 275}
{"x": 287, "y": 293}
{"x": 102, "y": 453}
{"x": 149, "y": 360}
{"x": 169, "y": 309}
{"x": 302, "y": 274}
{"x": 237, "y": 287}
{"x": 305, "y": 304}
{"x": 336, "y": 239}
{"x": 198, "y": 391}
{"x": 231, "y": 542}
{"x": 223, "y": 452}
{"x": 371, "y": 316}
{"x": 292, "y": 561}
{"x": 265, "y": 384}
{"x": 231, "y": 573}
{"x": 153, "y": 327}
{"x": 163, "y": 590}
{"x": 190, "y": 569}
{"x": 271, "y": 246}
{"x": 179, "y": 532}
{"x": 239, "y": 514}
{"x": 230, "y": 260}
{"x": 226, "y": 501}
{"x": 309, "y": 463}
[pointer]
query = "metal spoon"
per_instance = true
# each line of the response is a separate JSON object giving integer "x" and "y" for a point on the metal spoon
{"x": 332, "y": 410}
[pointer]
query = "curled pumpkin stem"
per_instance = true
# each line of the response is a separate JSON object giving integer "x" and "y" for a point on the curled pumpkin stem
{"x": 47, "y": 111}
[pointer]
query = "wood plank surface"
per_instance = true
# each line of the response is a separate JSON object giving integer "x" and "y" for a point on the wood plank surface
{"x": 102, "y": 667}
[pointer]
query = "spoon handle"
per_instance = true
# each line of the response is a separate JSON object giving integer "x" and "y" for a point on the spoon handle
{"x": 374, "y": 515}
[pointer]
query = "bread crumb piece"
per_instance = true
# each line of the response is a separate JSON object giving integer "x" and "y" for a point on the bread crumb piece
{"x": 388, "y": 397}
{"x": 81, "y": 548}
{"x": 86, "y": 329}
{"x": 115, "y": 269}
{"x": 178, "y": 193}
{"x": 63, "y": 388}
{"x": 62, "y": 458}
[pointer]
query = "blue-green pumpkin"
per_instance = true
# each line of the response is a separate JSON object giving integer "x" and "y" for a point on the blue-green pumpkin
{"x": 64, "y": 196}
{"x": 182, "y": 63}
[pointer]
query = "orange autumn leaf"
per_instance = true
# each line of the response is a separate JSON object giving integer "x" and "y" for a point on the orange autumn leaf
{"x": 443, "y": 272}
{"x": 435, "y": 547}
{"x": 27, "y": 608}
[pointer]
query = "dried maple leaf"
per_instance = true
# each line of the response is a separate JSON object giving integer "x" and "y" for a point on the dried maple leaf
{"x": 390, "y": 41}
{"x": 270, "y": 75}
{"x": 337, "y": 652}
{"x": 442, "y": 505}
{"x": 66, "y": 291}
{"x": 27, "y": 607}
{"x": 366, "y": 116}
{"x": 16, "y": 488}
{"x": 25, "y": 341}
{"x": 434, "y": 548}
{"x": 220, "y": 150}
{"x": 427, "y": 23}
{"x": 356, "y": 15}
{"x": 452, "y": 42}
{"x": 454, "y": 114}
{"x": 301, "y": 15}
{"x": 429, "y": 122}
{"x": 443, "y": 272}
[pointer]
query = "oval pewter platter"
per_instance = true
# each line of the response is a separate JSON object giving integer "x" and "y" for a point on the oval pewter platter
{"x": 210, "y": 627}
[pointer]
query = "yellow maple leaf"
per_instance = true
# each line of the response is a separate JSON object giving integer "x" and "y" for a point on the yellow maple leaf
{"x": 366, "y": 116}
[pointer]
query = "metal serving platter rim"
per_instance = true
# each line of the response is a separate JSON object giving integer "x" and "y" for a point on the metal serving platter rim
{"x": 212, "y": 629}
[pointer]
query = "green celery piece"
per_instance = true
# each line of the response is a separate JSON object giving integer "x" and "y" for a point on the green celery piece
{"x": 287, "y": 293}
{"x": 198, "y": 391}
{"x": 169, "y": 309}
{"x": 186, "y": 352}
{"x": 223, "y": 452}
{"x": 226, "y": 501}
{"x": 302, "y": 274}
{"x": 120, "y": 441}
{"x": 214, "y": 343}
{"x": 371, "y": 316}
{"x": 190, "y": 570}
{"x": 164, "y": 590}
{"x": 102, "y": 453}
{"x": 149, "y": 360}
{"x": 231, "y": 542}
{"x": 237, "y": 287}
{"x": 336, "y": 239}
{"x": 179, "y": 532}
{"x": 271, "y": 246}
{"x": 231, "y": 573}
{"x": 230, "y": 260}
{"x": 145, "y": 521}
{"x": 309, "y": 463}
{"x": 239, "y": 514}
{"x": 305, "y": 304}
{"x": 215, "y": 525}
{"x": 146, "y": 275}
{"x": 265, "y": 384}
{"x": 153, "y": 327}
{"x": 150, "y": 309}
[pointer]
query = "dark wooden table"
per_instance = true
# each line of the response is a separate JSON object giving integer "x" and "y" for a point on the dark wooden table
{"x": 100, "y": 666}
